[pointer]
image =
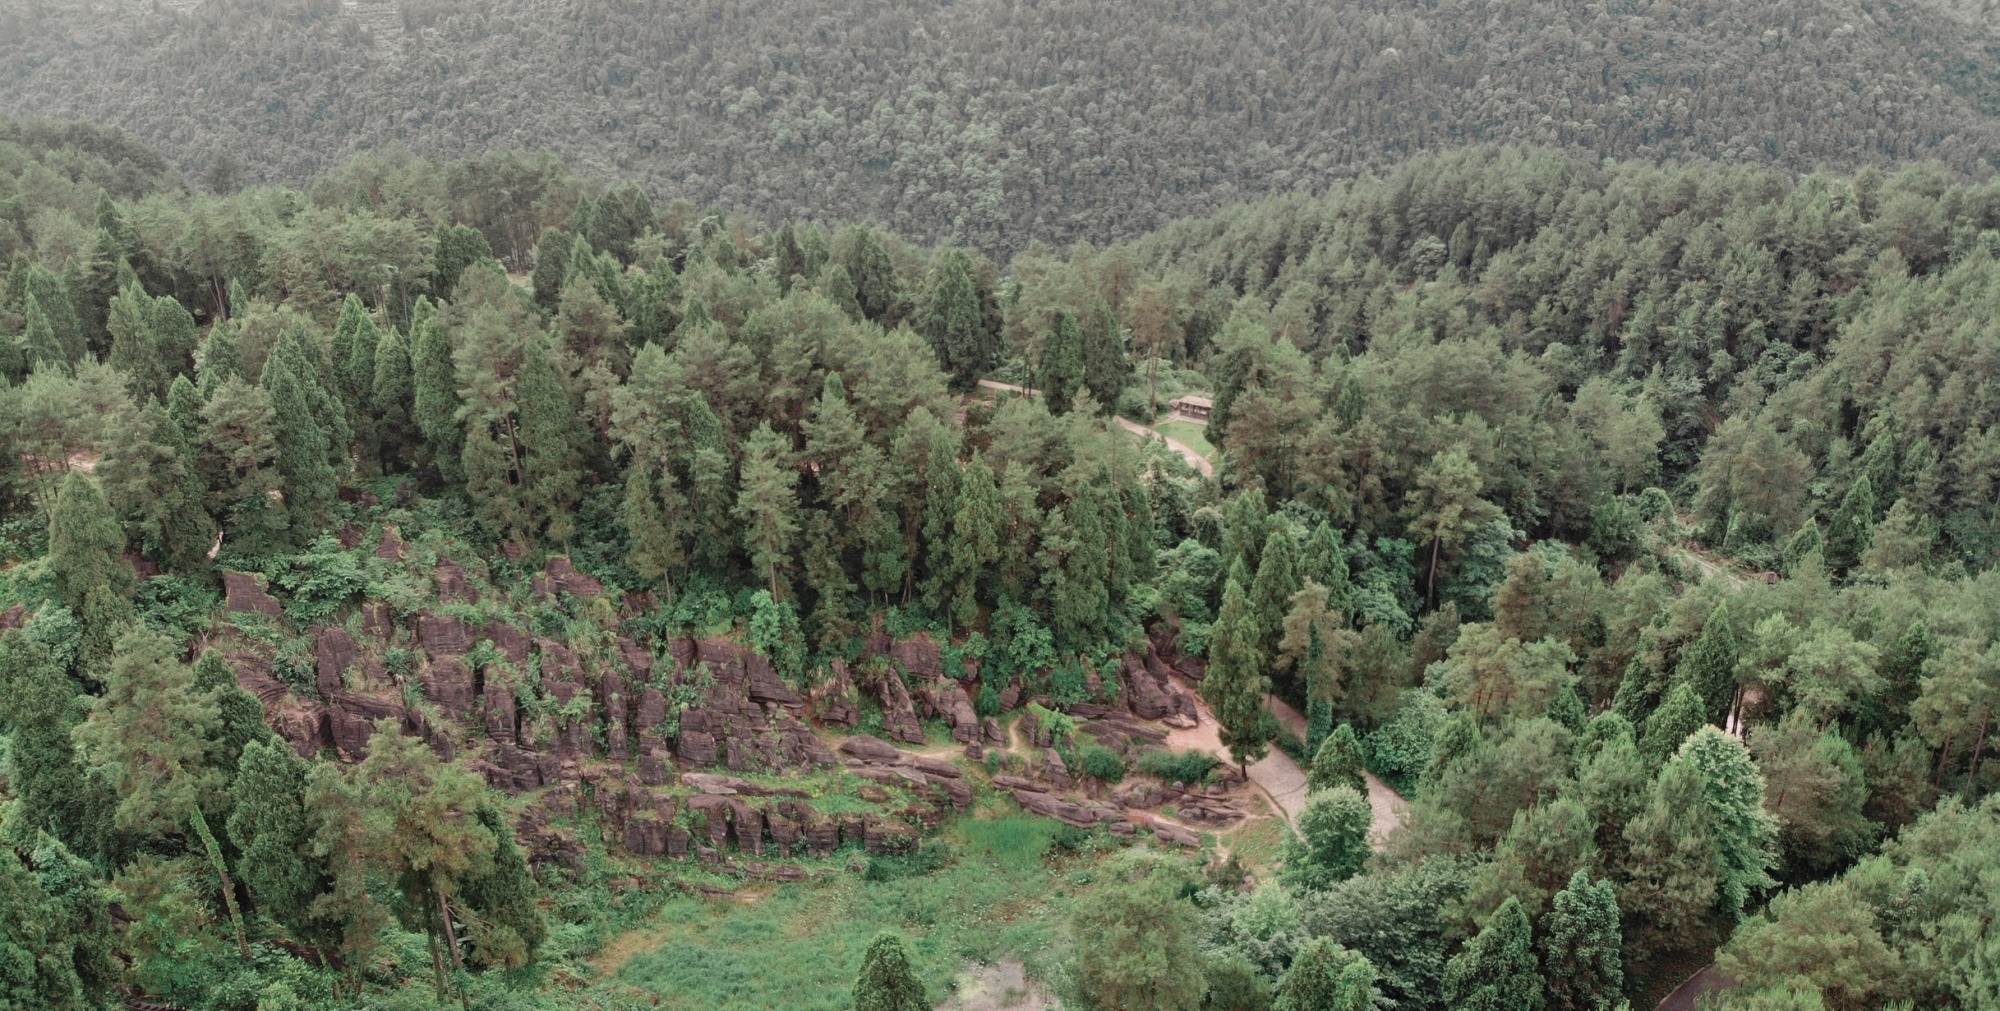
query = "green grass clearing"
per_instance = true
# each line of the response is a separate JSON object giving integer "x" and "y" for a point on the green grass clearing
{"x": 1194, "y": 436}
{"x": 798, "y": 946}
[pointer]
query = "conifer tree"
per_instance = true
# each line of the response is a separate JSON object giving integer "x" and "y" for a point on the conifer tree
{"x": 184, "y": 404}
{"x": 220, "y": 358}
{"x": 1338, "y": 762}
{"x": 355, "y": 337}
{"x": 175, "y": 336}
{"x": 952, "y": 321}
{"x": 886, "y": 981}
{"x": 272, "y": 829}
{"x": 1060, "y": 372}
{"x": 1497, "y": 970}
{"x": 502, "y": 921}
{"x": 1566, "y": 709}
{"x": 1332, "y": 844}
{"x": 975, "y": 541}
{"x": 1669, "y": 726}
{"x": 238, "y": 465}
{"x": 1734, "y": 791}
{"x": 434, "y": 398}
{"x": 838, "y": 287}
{"x": 458, "y": 247}
{"x": 1709, "y": 665}
{"x": 552, "y": 442}
{"x": 1673, "y": 872}
{"x": 1278, "y": 581}
{"x": 551, "y": 267}
{"x": 1324, "y": 561}
{"x": 877, "y": 289}
{"x": 1245, "y": 527}
{"x": 1235, "y": 685}
{"x": 654, "y": 550}
{"x": 791, "y": 259}
{"x": 1445, "y": 507}
{"x": 51, "y": 298}
{"x": 134, "y": 350}
{"x": 151, "y": 732}
{"x": 392, "y": 391}
{"x": 711, "y": 490}
{"x": 55, "y": 930}
{"x": 154, "y": 486}
{"x": 1322, "y": 677}
{"x": 941, "y": 483}
{"x": 768, "y": 504}
{"x": 653, "y": 305}
{"x": 1806, "y": 543}
{"x": 1106, "y": 369}
{"x": 402, "y": 817}
{"x": 39, "y": 345}
{"x": 44, "y": 772}
{"x": 1326, "y": 977}
{"x": 239, "y": 716}
{"x": 1081, "y": 599}
{"x": 86, "y": 546}
{"x": 1141, "y": 551}
{"x": 1456, "y": 740}
{"x": 1847, "y": 533}
{"x": 1580, "y": 947}
{"x": 309, "y": 481}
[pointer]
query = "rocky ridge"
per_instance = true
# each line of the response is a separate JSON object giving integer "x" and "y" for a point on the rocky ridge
{"x": 672, "y": 744}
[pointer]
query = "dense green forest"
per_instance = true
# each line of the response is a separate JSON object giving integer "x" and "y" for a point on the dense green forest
{"x": 991, "y": 123}
{"x": 380, "y": 623}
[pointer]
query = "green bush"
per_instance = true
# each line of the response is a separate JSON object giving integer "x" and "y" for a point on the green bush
{"x": 1101, "y": 763}
{"x": 1187, "y": 767}
{"x": 890, "y": 867}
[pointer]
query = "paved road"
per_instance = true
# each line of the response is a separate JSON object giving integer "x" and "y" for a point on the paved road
{"x": 1194, "y": 459}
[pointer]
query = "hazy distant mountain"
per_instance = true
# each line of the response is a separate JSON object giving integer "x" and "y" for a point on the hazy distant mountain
{"x": 1000, "y": 121}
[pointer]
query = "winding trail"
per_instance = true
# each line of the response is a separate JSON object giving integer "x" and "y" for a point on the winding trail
{"x": 1280, "y": 779}
{"x": 1194, "y": 459}
{"x": 1388, "y": 805}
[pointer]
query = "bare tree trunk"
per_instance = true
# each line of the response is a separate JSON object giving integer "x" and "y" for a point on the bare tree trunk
{"x": 451, "y": 938}
{"x": 215, "y": 860}
{"x": 1430, "y": 591}
{"x": 437, "y": 967}
{"x": 1979, "y": 750}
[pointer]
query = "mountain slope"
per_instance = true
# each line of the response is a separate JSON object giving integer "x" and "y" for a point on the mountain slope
{"x": 995, "y": 122}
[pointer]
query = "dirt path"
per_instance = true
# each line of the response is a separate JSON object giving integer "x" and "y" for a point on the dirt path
{"x": 1194, "y": 459}
{"x": 1387, "y": 804}
{"x": 1275, "y": 775}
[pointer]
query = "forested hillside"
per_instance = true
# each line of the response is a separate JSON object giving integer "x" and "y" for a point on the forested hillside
{"x": 991, "y": 123}
{"x": 385, "y": 628}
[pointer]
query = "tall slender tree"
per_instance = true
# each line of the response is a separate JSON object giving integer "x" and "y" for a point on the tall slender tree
{"x": 1235, "y": 685}
{"x": 951, "y": 319}
{"x": 1497, "y": 970}
{"x": 768, "y": 505}
{"x": 1580, "y": 947}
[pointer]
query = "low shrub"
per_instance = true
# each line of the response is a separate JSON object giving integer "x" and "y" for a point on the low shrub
{"x": 1186, "y": 767}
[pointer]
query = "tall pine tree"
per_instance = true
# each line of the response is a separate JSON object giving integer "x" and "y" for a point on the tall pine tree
{"x": 768, "y": 505}
{"x": 1497, "y": 970}
{"x": 1235, "y": 685}
{"x": 952, "y": 321}
{"x": 1580, "y": 947}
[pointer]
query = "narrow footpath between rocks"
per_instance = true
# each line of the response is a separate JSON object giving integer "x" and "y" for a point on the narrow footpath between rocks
{"x": 1280, "y": 778}
{"x": 1387, "y": 804}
